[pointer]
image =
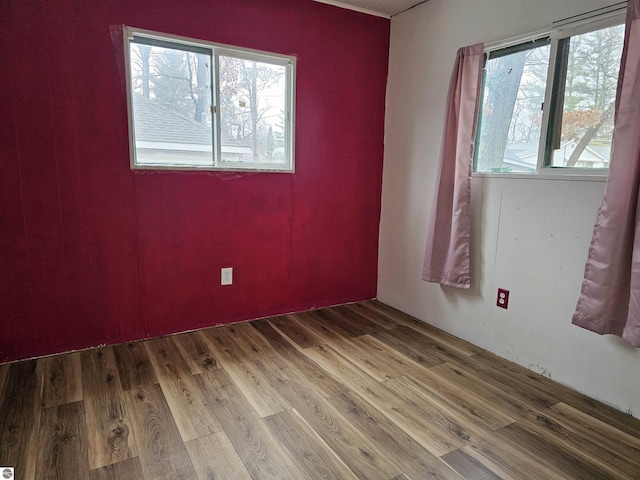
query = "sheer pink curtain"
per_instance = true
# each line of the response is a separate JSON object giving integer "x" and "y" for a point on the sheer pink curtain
{"x": 610, "y": 298}
{"x": 446, "y": 259}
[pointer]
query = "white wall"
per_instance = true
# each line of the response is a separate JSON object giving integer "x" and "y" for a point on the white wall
{"x": 530, "y": 236}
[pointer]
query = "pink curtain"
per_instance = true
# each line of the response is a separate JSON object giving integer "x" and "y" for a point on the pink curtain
{"x": 446, "y": 259}
{"x": 609, "y": 302}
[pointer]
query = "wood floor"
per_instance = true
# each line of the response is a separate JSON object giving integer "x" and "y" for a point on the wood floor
{"x": 356, "y": 391}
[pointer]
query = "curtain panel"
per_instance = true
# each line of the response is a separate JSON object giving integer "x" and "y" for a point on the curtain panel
{"x": 446, "y": 259}
{"x": 609, "y": 301}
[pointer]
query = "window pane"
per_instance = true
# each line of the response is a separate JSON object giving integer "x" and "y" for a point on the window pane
{"x": 170, "y": 89}
{"x": 583, "y": 137}
{"x": 252, "y": 112}
{"x": 511, "y": 115}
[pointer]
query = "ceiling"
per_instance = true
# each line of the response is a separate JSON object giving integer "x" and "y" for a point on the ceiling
{"x": 382, "y": 8}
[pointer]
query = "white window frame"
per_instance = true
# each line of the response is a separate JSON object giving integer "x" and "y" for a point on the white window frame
{"x": 216, "y": 50}
{"x": 559, "y": 32}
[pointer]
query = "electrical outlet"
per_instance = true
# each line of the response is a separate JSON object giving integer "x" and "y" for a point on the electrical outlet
{"x": 226, "y": 276}
{"x": 503, "y": 298}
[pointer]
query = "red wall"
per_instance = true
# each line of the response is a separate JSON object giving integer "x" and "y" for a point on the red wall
{"x": 93, "y": 253}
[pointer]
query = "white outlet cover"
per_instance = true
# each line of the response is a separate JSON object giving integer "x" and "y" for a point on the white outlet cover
{"x": 226, "y": 276}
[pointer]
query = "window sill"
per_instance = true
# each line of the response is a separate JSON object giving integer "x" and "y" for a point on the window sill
{"x": 210, "y": 169}
{"x": 570, "y": 176}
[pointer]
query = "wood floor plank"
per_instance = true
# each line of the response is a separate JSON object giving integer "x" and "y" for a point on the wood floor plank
{"x": 406, "y": 413}
{"x": 474, "y": 457}
{"x": 532, "y": 380}
{"x": 451, "y": 343}
{"x": 532, "y": 396}
{"x": 581, "y": 445}
{"x": 412, "y": 457}
{"x": 565, "y": 462}
{"x": 259, "y": 451}
{"x": 400, "y": 363}
{"x": 163, "y": 455}
{"x": 539, "y": 382}
{"x": 401, "y": 318}
{"x": 347, "y": 315}
{"x": 511, "y": 403}
{"x": 225, "y": 349}
{"x": 312, "y": 455}
{"x": 4, "y": 370}
{"x": 134, "y": 366}
{"x": 126, "y": 470}
{"x": 375, "y": 363}
{"x": 341, "y": 324}
{"x": 107, "y": 420}
{"x": 357, "y": 451}
{"x": 280, "y": 344}
{"x": 433, "y": 430}
{"x": 299, "y": 362}
{"x": 379, "y": 364}
{"x": 372, "y": 317}
{"x": 476, "y": 410}
{"x": 607, "y": 437}
{"x": 620, "y": 420}
{"x": 501, "y": 455}
{"x": 197, "y": 351}
{"x": 297, "y": 334}
{"x": 214, "y": 457}
{"x": 419, "y": 355}
{"x": 442, "y": 352}
{"x": 230, "y": 348}
{"x": 342, "y": 368}
{"x": 468, "y": 466}
{"x": 384, "y": 308}
{"x": 20, "y": 418}
{"x": 62, "y": 379}
{"x": 183, "y": 393}
{"x": 412, "y": 418}
{"x": 256, "y": 388}
{"x": 448, "y": 428}
{"x": 323, "y": 332}
{"x": 465, "y": 422}
{"x": 318, "y": 320}
{"x": 394, "y": 314}
{"x": 62, "y": 449}
{"x": 252, "y": 345}
{"x": 238, "y": 365}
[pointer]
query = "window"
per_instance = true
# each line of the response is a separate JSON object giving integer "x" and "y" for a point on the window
{"x": 197, "y": 105}
{"x": 573, "y": 72}
{"x": 511, "y": 114}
